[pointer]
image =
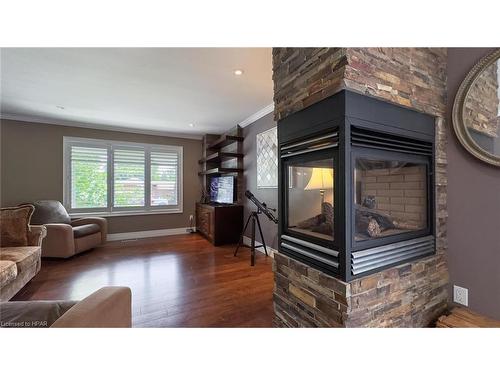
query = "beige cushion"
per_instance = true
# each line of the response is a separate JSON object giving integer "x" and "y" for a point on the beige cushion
{"x": 85, "y": 230}
{"x": 8, "y": 272}
{"x": 24, "y": 257}
{"x": 102, "y": 222}
{"x": 14, "y": 225}
{"x": 35, "y": 314}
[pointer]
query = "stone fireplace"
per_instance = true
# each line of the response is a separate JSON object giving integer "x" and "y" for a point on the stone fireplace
{"x": 362, "y": 186}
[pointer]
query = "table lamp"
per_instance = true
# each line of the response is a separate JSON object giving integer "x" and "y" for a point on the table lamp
{"x": 321, "y": 179}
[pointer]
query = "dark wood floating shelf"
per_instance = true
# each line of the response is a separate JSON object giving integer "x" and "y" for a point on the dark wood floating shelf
{"x": 222, "y": 155}
{"x": 224, "y": 140}
{"x": 219, "y": 156}
{"x": 219, "y": 171}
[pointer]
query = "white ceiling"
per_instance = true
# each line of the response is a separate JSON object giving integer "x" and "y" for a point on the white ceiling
{"x": 145, "y": 89}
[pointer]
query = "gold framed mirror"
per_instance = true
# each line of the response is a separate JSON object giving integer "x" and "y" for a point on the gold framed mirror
{"x": 476, "y": 110}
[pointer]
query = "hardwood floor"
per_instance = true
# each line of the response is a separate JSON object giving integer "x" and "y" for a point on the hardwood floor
{"x": 176, "y": 281}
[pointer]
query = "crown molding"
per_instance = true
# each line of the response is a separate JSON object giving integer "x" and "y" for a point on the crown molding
{"x": 41, "y": 120}
{"x": 257, "y": 115}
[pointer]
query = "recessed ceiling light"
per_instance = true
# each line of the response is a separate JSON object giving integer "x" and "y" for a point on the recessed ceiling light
{"x": 238, "y": 72}
{"x": 191, "y": 125}
{"x": 60, "y": 107}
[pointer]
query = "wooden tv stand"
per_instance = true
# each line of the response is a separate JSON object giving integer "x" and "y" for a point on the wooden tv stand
{"x": 220, "y": 224}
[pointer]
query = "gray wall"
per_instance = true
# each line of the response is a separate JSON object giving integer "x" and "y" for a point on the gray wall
{"x": 270, "y": 196}
{"x": 473, "y": 206}
{"x": 32, "y": 168}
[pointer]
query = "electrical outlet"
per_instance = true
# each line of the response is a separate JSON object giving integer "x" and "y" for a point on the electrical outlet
{"x": 191, "y": 228}
{"x": 461, "y": 295}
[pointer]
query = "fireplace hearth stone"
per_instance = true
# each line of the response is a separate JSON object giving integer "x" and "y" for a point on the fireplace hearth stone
{"x": 408, "y": 295}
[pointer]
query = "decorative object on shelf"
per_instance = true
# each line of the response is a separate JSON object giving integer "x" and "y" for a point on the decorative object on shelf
{"x": 205, "y": 196}
{"x": 476, "y": 110}
{"x": 267, "y": 158}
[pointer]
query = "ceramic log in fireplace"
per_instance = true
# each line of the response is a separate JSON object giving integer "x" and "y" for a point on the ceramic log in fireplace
{"x": 356, "y": 185}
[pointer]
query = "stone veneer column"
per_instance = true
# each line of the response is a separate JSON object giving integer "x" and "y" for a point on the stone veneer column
{"x": 410, "y": 295}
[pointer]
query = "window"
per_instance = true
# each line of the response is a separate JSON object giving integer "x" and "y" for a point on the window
{"x": 128, "y": 178}
{"x": 164, "y": 178}
{"x": 89, "y": 176}
{"x": 121, "y": 177}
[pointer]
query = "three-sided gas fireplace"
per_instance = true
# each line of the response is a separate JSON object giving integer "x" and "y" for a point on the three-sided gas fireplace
{"x": 356, "y": 185}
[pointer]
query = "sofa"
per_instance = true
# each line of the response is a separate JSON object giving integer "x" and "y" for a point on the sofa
{"x": 66, "y": 236}
{"x": 20, "y": 249}
{"x": 109, "y": 307}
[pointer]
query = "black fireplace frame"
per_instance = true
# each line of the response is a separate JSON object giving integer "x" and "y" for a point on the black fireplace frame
{"x": 357, "y": 122}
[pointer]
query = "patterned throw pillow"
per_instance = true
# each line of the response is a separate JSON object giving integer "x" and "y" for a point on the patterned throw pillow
{"x": 14, "y": 225}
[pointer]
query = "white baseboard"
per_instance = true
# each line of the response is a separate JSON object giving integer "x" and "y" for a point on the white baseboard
{"x": 247, "y": 241}
{"x": 147, "y": 234}
{"x": 174, "y": 231}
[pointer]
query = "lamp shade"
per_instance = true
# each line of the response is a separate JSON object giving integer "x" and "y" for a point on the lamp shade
{"x": 321, "y": 179}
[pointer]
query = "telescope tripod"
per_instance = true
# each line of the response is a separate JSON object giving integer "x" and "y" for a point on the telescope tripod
{"x": 254, "y": 218}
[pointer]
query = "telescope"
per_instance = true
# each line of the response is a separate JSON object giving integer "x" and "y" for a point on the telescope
{"x": 254, "y": 219}
{"x": 262, "y": 207}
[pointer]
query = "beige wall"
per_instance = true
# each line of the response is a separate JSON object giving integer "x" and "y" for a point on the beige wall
{"x": 32, "y": 168}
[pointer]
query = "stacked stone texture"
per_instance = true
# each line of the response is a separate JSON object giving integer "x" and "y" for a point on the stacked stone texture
{"x": 304, "y": 76}
{"x": 481, "y": 106}
{"x": 410, "y": 295}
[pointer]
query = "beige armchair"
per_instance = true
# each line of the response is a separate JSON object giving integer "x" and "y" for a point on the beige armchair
{"x": 65, "y": 236}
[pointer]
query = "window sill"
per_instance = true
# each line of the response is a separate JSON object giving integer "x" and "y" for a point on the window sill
{"x": 124, "y": 213}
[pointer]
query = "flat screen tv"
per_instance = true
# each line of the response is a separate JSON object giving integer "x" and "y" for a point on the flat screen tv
{"x": 222, "y": 189}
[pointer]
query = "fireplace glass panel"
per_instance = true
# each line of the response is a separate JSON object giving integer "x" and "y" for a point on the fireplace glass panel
{"x": 390, "y": 197}
{"x": 310, "y": 198}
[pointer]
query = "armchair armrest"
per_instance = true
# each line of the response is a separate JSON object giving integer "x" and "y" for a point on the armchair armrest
{"x": 102, "y": 222}
{"x": 36, "y": 234}
{"x": 59, "y": 241}
{"x": 109, "y": 307}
